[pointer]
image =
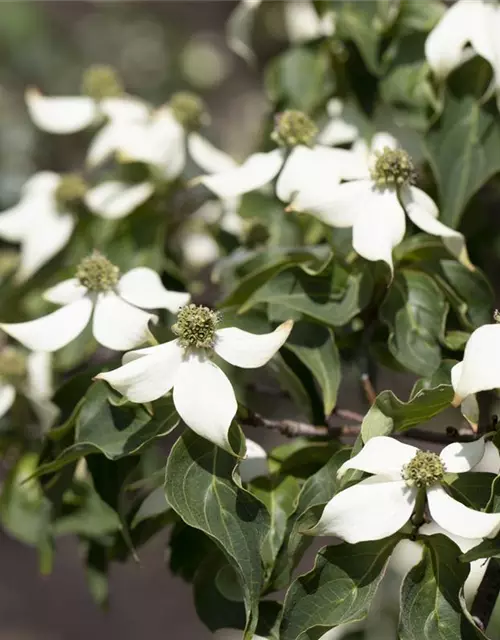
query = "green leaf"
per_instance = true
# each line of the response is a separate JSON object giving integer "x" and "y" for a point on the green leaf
{"x": 389, "y": 413}
{"x": 339, "y": 589}
{"x": 410, "y": 85}
{"x": 319, "y": 298}
{"x": 430, "y": 596}
{"x": 114, "y": 431}
{"x": 315, "y": 347}
{"x": 464, "y": 152}
{"x": 469, "y": 292}
{"x": 318, "y": 489}
{"x": 415, "y": 311}
{"x": 300, "y": 78}
{"x": 359, "y": 22}
{"x": 292, "y": 383}
{"x": 155, "y": 504}
{"x": 200, "y": 488}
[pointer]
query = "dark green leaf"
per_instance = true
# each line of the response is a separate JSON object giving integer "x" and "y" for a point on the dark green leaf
{"x": 430, "y": 596}
{"x": 464, "y": 152}
{"x": 415, "y": 310}
{"x": 315, "y": 347}
{"x": 200, "y": 488}
{"x": 358, "y": 22}
{"x": 339, "y": 589}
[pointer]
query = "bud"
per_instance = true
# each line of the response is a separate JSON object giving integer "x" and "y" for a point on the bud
{"x": 97, "y": 273}
{"x": 196, "y": 326}
{"x": 424, "y": 470}
{"x": 393, "y": 168}
{"x": 293, "y": 128}
{"x": 70, "y": 190}
{"x": 189, "y": 110}
{"x": 12, "y": 366}
{"x": 101, "y": 81}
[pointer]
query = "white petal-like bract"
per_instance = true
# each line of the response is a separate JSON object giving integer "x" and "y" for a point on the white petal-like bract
{"x": 114, "y": 199}
{"x": 458, "y": 457}
{"x": 255, "y": 463}
{"x": 479, "y": 370}
{"x": 258, "y": 170}
{"x": 143, "y": 288}
{"x": 383, "y": 456}
{"x": 458, "y": 519}
{"x": 490, "y": 462}
{"x": 250, "y": 350}
{"x": 65, "y": 292}
{"x": 148, "y": 376}
{"x": 7, "y": 397}
{"x": 367, "y": 511}
{"x": 207, "y": 156}
{"x": 60, "y": 114}
{"x": 118, "y": 325}
{"x": 204, "y": 399}
{"x": 55, "y": 330}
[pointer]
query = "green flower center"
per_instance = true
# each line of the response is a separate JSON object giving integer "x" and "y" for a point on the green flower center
{"x": 70, "y": 190}
{"x": 12, "y": 365}
{"x": 424, "y": 470}
{"x": 196, "y": 326}
{"x": 293, "y": 128}
{"x": 101, "y": 81}
{"x": 496, "y": 315}
{"x": 393, "y": 168}
{"x": 188, "y": 109}
{"x": 97, "y": 273}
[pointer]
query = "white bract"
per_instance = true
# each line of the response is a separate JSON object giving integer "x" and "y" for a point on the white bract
{"x": 255, "y": 463}
{"x": 115, "y": 303}
{"x": 479, "y": 370}
{"x": 31, "y": 375}
{"x": 337, "y": 130}
{"x": 467, "y": 27}
{"x": 380, "y": 505}
{"x": 233, "y": 634}
{"x": 302, "y": 166}
{"x": 41, "y": 225}
{"x": 375, "y": 203}
{"x": 202, "y": 393}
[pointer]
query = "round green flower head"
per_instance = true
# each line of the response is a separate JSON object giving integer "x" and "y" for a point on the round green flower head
{"x": 424, "y": 470}
{"x": 496, "y": 315}
{"x": 293, "y": 128}
{"x": 101, "y": 81}
{"x": 189, "y": 110}
{"x": 97, "y": 273}
{"x": 12, "y": 365}
{"x": 196, "y": 326}
{"x": 393, "y": 167}
{"x": 70, "y": 190}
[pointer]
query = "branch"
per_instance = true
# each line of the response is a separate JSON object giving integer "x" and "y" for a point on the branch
{"x": 296, "y": 428}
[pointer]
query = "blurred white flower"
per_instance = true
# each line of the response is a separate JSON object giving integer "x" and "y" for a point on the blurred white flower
{"x": 337, "y": 130}
{"x": 113, "y": 199}
{"x": 32, "y": 376}
{"x": 303, "y": 23}
{"x": 301, "y": 168}
{"x": 375, "y": 203}
{"x": 202, "y": 393}
{"x": 467, "y": 22}
{"x": 255, "y": 463}
{"x": 112, "y": 301}
{"x": 380, "y": 505}
{"x": 38, "y": 222}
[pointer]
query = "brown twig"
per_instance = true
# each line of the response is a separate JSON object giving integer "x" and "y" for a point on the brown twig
{"x": 296, "y": 428}
{"x": 370, "y": 393}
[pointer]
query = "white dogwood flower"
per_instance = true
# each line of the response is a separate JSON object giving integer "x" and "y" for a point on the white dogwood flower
{"x": 302, "y": 166}
{"x": 202, "y": 393}
{"x": 468, "y": 27}
{"x": 42, "y": 221}
{"x": 115, "y": 303}
{"x": 115, "y": 199}
{"x": 28, "y": 374}
{"x": 380, "y": 505}
{"x": 376, "y": 203}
